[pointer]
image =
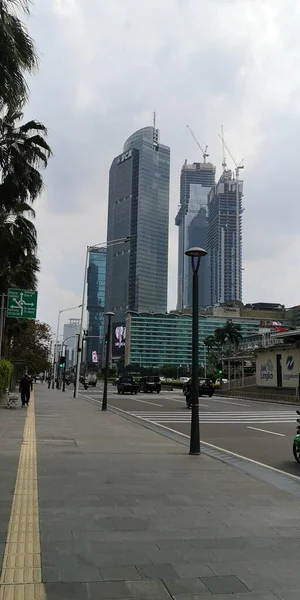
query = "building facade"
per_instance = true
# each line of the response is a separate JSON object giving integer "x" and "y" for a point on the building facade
{"x": 154, "y": 340}
{"x": 71, "y": 331}
{"x": 224, "y": 239}
{"x": 95, "y": 306}
{"x": 196, "y": 181}
{"x": 138, "y": 208}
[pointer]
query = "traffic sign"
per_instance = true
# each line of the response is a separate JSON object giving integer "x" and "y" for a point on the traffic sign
{"x": 21, "y": 304}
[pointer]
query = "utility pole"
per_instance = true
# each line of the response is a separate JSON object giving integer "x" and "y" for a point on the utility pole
{"x": 2, "y": 321}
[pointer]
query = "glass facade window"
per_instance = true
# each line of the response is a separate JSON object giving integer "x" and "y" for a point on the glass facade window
{"x": 137, "y": 271}
{"x": 95, "y": 303}
{"x": 154, "y": 340}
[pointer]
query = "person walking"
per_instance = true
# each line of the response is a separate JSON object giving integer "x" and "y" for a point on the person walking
{"x": 24, "y": 389}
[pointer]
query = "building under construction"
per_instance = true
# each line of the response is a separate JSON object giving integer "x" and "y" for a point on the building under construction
{"x": 196, "y": 182}
{"x": 224, "y": 239}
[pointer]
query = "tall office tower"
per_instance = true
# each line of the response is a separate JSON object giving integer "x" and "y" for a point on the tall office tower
{"x": 225, "y": 239}
{"x": 138, "y": 206}
{"x": 71, "y": 331}
{"x": 196, "y": 181}
{"x": 95, "y": 306}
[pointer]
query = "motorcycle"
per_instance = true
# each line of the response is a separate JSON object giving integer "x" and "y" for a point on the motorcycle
{"x": 188, "y": 400}
{"x": 296, "y": 443}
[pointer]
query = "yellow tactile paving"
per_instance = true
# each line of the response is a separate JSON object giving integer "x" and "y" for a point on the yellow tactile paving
{"x": 21, "y": 577}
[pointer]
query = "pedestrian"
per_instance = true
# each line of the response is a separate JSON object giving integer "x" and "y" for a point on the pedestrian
{"x": 24, "y": 389}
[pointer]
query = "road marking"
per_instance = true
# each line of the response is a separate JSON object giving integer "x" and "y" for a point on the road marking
{"x": 228, "y": 402}
{"x": 21, "y": 575}
{"x": 266, "y": 431}
{"x": 255, "y": 462}
{"x": 145, "y": 402}
{"x": 225, "y": 418}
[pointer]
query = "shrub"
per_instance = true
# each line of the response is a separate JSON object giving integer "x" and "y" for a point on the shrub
{"x": 6, "y": 370}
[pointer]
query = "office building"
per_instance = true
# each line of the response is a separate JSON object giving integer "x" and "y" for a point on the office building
{"x": 224, "y": 239}
{"x": 138, "y": 206}
{"x": 154, "y": 340}
{"x": 95, "y": 306}
{"x": 71, "y": 331}
{"x": 196, "y": 181}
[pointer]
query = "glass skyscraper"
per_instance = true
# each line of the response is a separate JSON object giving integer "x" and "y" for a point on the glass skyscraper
{"x": 138, "y": 206}
{"x": 95, "y": 305}
{"x": 196, "y": 181}
{"x": 225, "y": 239}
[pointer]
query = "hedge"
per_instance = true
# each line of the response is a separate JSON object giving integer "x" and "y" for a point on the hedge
{"x": 6, "y": 370}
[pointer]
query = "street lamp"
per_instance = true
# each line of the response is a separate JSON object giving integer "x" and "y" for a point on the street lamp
{"x": 195, "y": 254}
{"x": 80, "y": 339}
{"x": 55, "y": 357}
{"x": 205, "y": 361}
{"x": 108, "y": 314}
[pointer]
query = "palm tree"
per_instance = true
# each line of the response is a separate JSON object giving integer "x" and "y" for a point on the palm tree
{"x": 23, "y": 151}
{"x": 17, "y": 55}
{"x": 232, "y": 335}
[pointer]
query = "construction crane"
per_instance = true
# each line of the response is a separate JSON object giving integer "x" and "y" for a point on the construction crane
{"x": 204, "y": 152}
{"x": 238, "y": 167}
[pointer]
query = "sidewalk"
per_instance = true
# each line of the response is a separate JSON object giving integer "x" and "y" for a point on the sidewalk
{"x": 126, "y": 513}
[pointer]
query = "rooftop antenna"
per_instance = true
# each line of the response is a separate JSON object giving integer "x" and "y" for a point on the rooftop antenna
{"x": 154, "y": 120}
{"x": 155, "y": 131}
{"x": 204, "y": 152}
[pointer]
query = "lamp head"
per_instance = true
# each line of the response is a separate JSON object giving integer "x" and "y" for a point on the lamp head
{"x": 195, "y": 251}
{"x": 109, "y": 313}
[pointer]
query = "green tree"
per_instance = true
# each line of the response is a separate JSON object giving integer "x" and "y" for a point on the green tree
{"x": 17, "y": 57}
{"x": 23, "y": 152}
{"x": 31, "y": 345}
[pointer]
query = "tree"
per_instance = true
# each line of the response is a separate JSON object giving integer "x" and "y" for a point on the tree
{"x": 31, "y": 346}
{"x": 17, "y": 57}
{"x": 233, "y": 335}
{"x": 23, "y": 151}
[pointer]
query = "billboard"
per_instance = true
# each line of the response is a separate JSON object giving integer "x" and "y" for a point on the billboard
{"x": 119, "y": 339}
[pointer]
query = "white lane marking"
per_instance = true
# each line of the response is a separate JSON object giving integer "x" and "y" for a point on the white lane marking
{"x": 234, "y": 418}
{"x": 145, "y": 402}
{"x": 228, "y": 402}
{"x": 184, "y": 402}
{"x": 266, "y": 431}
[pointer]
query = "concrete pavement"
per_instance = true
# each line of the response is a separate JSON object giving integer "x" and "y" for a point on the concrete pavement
{"x": 126, "y": 513}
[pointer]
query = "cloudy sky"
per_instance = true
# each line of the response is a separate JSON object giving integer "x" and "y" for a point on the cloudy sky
{"x": 107, "y": 65}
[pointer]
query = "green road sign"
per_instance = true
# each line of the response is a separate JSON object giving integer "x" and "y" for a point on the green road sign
{"x": 21, "y": 304}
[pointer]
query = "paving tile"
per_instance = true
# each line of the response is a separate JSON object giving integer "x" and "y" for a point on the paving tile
{"x": 83, "y": 574}
{"x": 118, "y": 573}
{"x": 185, "y": 585}
{"x": 66, "y": 591}
{"x": 147, "y": 590}
{"x": 229, "y": 584}
{"x": 157, "y": 571}
{"x": 51, "y": 575}
{"x": 114, "y": 590}
{"x": 192, "y": 570}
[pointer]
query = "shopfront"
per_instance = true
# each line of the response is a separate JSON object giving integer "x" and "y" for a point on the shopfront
{"x": 278, "y": 367}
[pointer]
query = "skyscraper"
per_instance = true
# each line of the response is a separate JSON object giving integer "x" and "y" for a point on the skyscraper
{"x": 225, "y": 239}
{"x": 95, "y": 305}
{"x": 138, "y": 206}
{"x": 196, "y": 181}
{"x": 71, "y": 331}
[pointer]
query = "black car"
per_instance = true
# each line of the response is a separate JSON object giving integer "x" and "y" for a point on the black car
{"x": 150, "y": 384}
{"x": 127, "y": 385}
{"x": 206, "y": 387}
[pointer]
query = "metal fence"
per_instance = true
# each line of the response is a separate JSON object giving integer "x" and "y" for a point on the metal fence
{"x": 239, "y": 383}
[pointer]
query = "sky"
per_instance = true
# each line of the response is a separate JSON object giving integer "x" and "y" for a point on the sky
{"x": 106, "y": 66}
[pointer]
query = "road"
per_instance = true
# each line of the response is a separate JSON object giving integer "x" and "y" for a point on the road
{"x": 260, "y": 431}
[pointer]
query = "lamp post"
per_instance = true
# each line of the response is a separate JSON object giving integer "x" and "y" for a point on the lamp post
{"x": 205, "y": 362}
{"x": 107, "y": 353}
{"x": 55, "y": 353}
{"x": 80, "y": 339}
{"x": 195, "y": 254}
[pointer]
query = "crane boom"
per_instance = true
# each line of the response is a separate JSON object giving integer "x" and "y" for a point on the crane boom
{"x": 237, "y": 166}
{"x": 204, "y": 152}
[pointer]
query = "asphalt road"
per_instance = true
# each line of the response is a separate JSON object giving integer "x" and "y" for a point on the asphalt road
{"x": 260, "y": 431}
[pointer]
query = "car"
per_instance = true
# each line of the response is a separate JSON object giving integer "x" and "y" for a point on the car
{"x": 206, "y": 387}
{"x": 218, "y": 382}
{"x": 127, "y": 385}
{"x": 150, "y": 384}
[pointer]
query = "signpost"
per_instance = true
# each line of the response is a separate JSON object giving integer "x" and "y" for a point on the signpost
{"x": 21, "y": 304}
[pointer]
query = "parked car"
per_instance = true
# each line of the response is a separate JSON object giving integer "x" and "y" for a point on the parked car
{"x": 127, "y": 385}
{"x": 150, "y": 384}
{"x": 206, "y": 387}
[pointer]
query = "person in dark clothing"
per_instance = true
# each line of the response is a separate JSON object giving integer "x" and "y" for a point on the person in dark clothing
{"x": 24, "y": 389}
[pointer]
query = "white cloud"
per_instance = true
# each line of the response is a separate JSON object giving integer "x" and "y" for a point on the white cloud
{"x": 106, "y": 67}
